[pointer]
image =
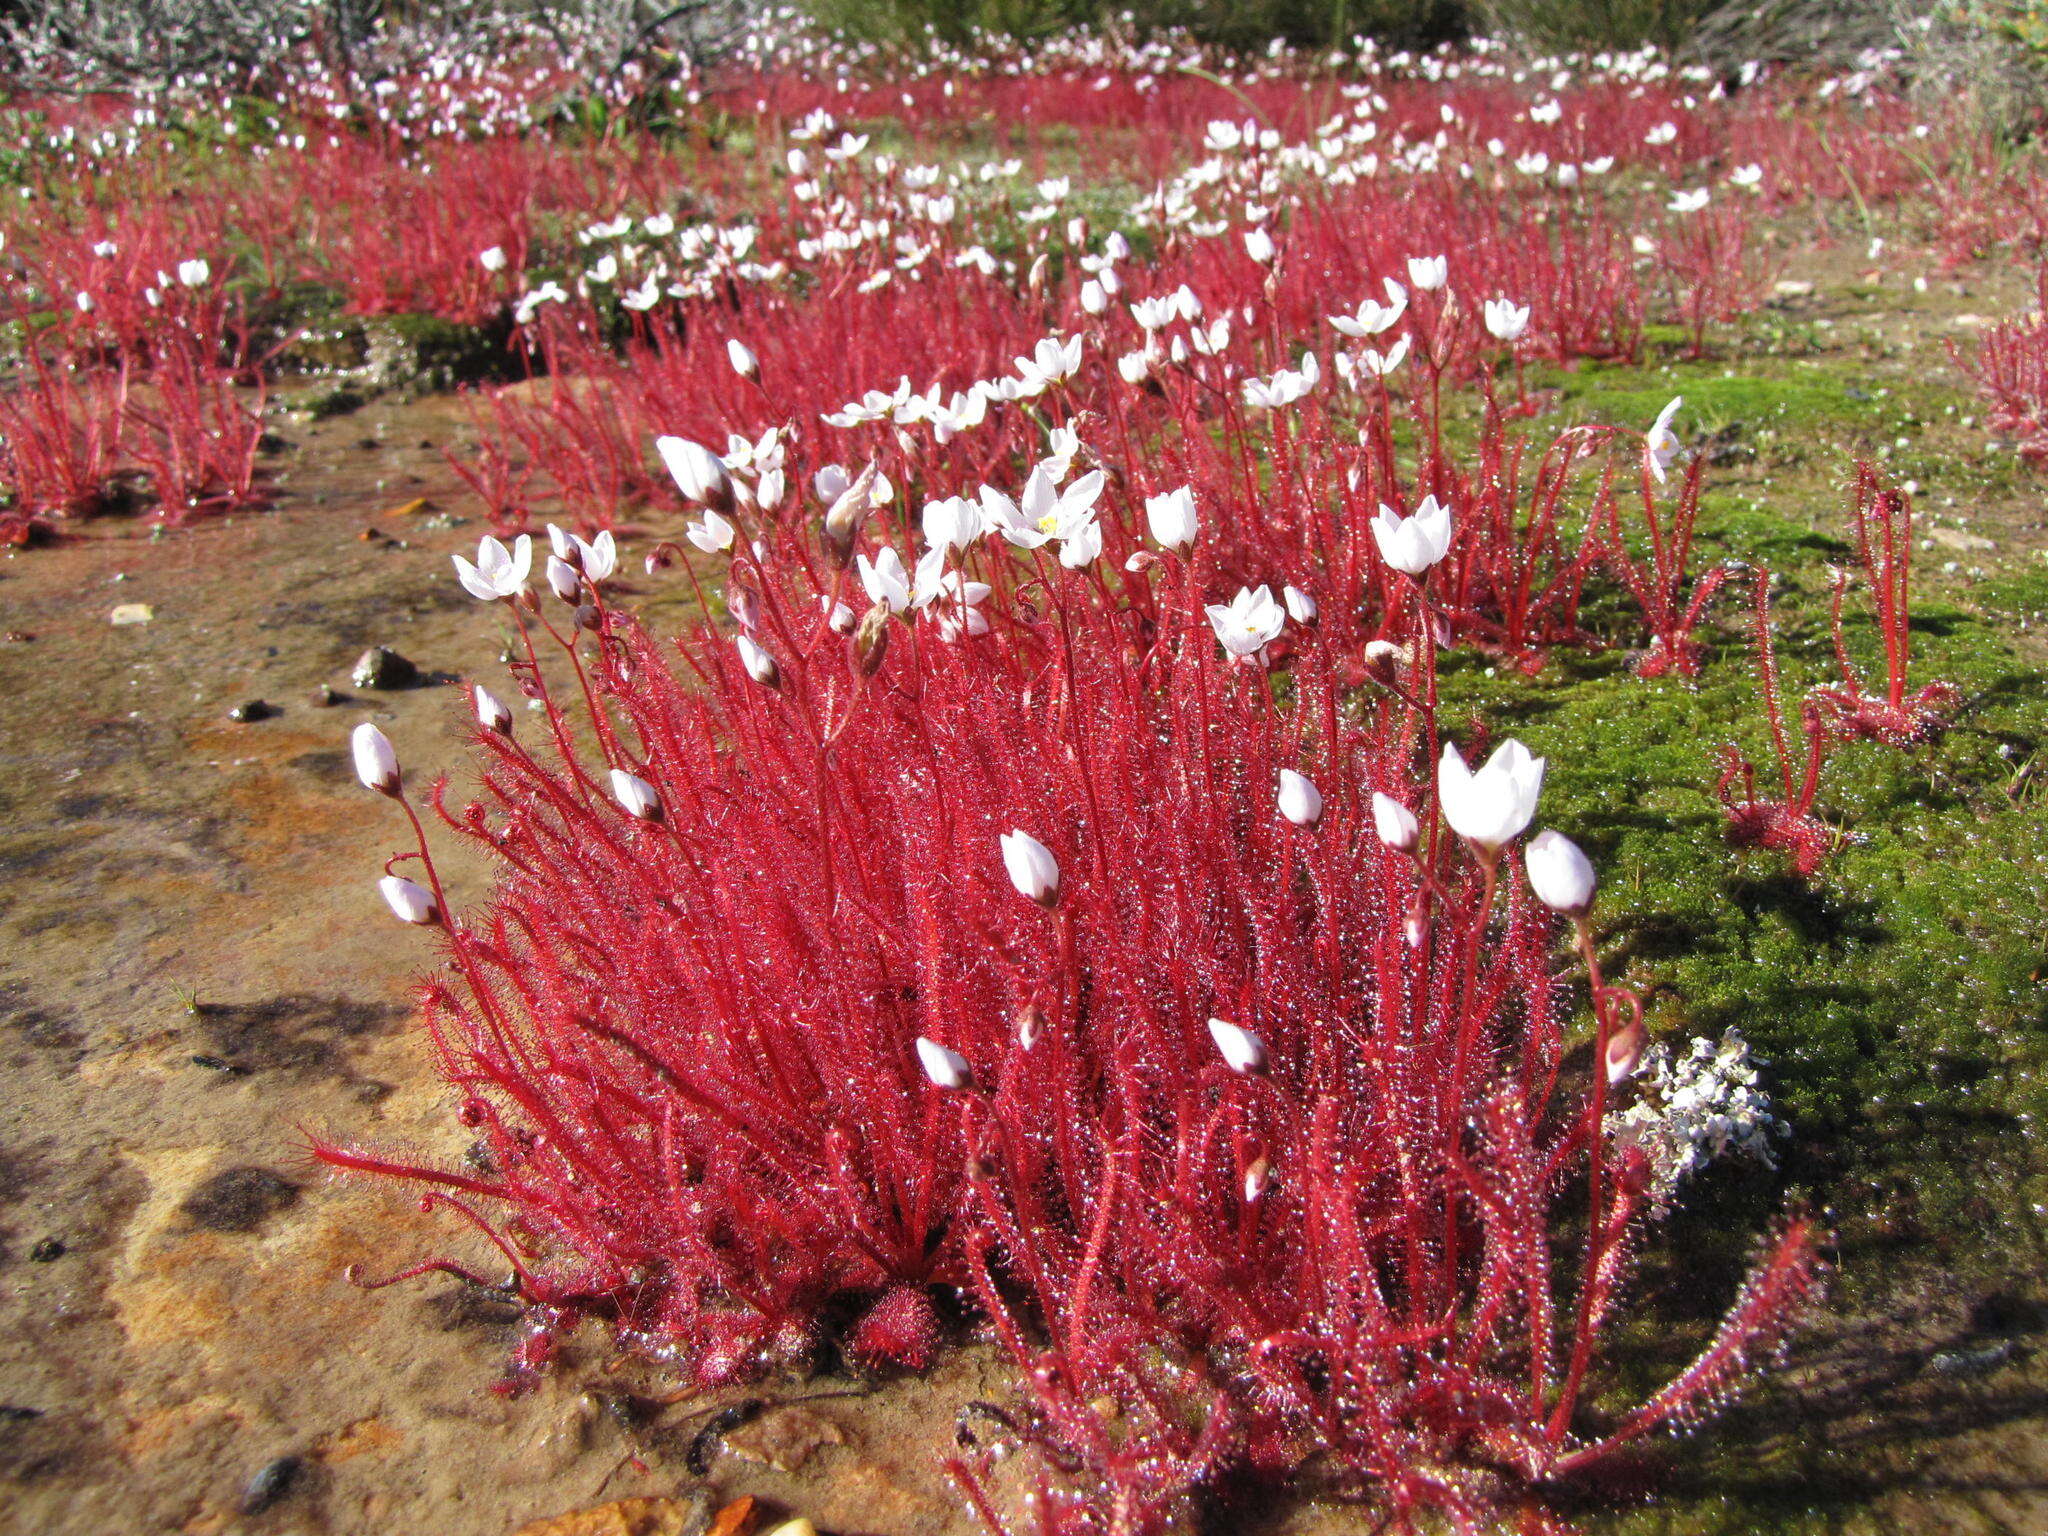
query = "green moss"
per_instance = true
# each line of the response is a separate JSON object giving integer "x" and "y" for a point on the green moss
{"x": 1897, "y": 998}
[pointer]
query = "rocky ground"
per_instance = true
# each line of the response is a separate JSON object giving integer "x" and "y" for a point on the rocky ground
{"x": 196, "y": 974}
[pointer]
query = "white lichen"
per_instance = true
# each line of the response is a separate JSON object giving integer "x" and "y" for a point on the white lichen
{"x": 1691, "y": 1109}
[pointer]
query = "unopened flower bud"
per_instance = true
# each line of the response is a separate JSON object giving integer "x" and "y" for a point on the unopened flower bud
{"x": 1559, "y": 873}
{"x": 635, "y": 795}
{"x": 1415, "y": 926}
{"x": 1033, "y": 869}
{"x": 589, "y": 616}
{"x": 409, "y": 902}
{"x": 376, "y": 759}
{"x": 698, "y": 472}
{"x": 760, "y": 665}
{"x": 744, "y": 604}
{"x": 1300, "y": 801}
{"x": 1625, "y": 1051}
{"x": 563, "y": 579}
{"x": 491, "y": 714}
{"x": 1394, "y": 822}
{"x": 744, "y": 363}
{"x": 848, "y": 511}
{"x": 1030, "y": 1025}
{"x": 1382, "y": 657}
{"x": 1242, "y": 1051}
{"x": 1258, "y": 1180}
{"x": 1300, "y": 606}
{"x": 871, "y": 640}
{"x": 946, "y": 1069}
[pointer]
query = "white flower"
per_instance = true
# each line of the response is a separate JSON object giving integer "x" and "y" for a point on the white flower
{"x": 1033, "y": 869}
{"x": 376, "y": 759}
{"x": 1413, "y": 544}
{"x": 498, "y": 572}
{"x": 1428, "y": 272}
{"x": 1505, "y": 321}
{"x": 1373, "y": 317}
{"x": 711, "y": 535}
{"x": 1492, "y": 806}
{"x": 1394, "y": 822}
{"x": 884, "y": 579}
{"x": 946, "y": 1069}
{"x": 744, "y": 363}
{"x": 598, "y": 557}
{"x": 1251, "y": 622}
{"x": 954, "y": 523}
{"x": 194, "y": 273}
{"x": 636, "y": 795}
{"x": 491, "y": 259}
{"x": 1380, "y": 365}
{"x": 1300, "y": 801}
{"x": 1689, "y": 202}
{"x": 1559, "y": 873}
{"x": 1747, "y": 176}
{"x": 1259, "y": 246}
{"x": 1242, "y": 1050}
{"x": 1300, "y": 606}
{"x": 1046, "y": 512}
{"x": 1285, "y": 387}
{"x": 1660, "y": 443}
{"x": 1171, "y": 518}
{"x": 409, "y": 902}
{"x": 1050, "y": 361}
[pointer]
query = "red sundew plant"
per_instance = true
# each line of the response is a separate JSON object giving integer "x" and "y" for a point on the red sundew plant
{"x": 1017, "y": 943}
{"x": 1713, "y": 266}
{"x": 567, "y": 432}
{"x": 1518, "y": 590}
{"x": 408, "y": 237}
{"x": 196, "y": 436}
{"x": 1671, "y": 599}
{"x": 1785, "y": 825}
{"x": 61, "y": 444}
{"x": 2010, "y": 366}
{"x": 1883, "y": 521}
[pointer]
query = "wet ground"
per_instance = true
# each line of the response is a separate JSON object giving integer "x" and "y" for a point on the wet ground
{"x": 196, "y": 972}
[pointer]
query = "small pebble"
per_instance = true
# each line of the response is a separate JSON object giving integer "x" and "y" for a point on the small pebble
{"x": 269, "y": 1485}
{"x": 254, "y": 709}
{"x": 382, "y": 667}
{"x": 48, "y": 1251}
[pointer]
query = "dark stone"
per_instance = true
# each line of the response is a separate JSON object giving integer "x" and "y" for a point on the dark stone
{"x": 254, "y": 709}
{"x": 270, "y": 1484}
{"x": 240, "y": 1199}
{"x": 48, "y": 1251}
{"x": 382, "y": 667}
